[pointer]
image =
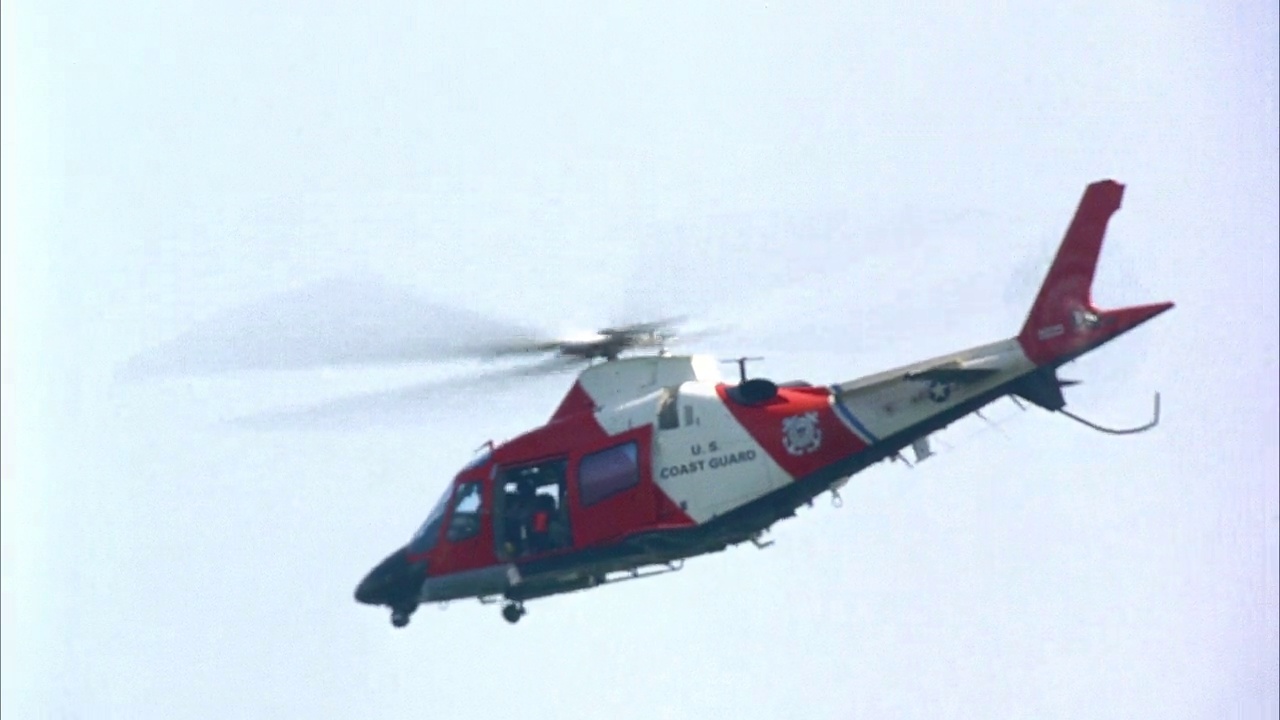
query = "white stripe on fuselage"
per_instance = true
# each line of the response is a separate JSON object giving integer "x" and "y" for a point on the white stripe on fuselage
{"x": 708, "y": 464}
{"x": 711, "y": 465}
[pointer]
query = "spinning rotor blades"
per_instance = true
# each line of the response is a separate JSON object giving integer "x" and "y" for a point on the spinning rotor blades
{"x": 361, "y": 323}
{"x": 399, "y": 405}
{"x": 330, "y": 324}
{"x": 352, "y": 323}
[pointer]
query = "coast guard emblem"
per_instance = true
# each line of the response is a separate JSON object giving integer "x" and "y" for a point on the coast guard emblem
{"x": 801, "y": 434}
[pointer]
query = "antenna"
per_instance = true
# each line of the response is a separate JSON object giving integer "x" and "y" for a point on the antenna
{"x": 741, "y": 362}
{"x": 1155, "y": 420}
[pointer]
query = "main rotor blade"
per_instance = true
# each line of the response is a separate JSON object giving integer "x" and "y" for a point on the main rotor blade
{"x": 337, "y": 322}
{"x": 637, "y": 328}
{"x": 405, "y": 404}
{"x": 695, "y": 335}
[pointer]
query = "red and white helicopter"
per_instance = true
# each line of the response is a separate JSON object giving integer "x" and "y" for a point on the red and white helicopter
{"x": 653, "y": 459}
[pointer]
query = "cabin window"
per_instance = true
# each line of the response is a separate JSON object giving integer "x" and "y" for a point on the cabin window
{"x": 606, "y": 473}
{"x": 465, "y": 521}
{"x": 668, "y": 411}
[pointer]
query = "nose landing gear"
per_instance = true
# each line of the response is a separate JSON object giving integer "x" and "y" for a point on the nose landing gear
{"x": 400, "y": 615}
{"x": 512, "y": 612}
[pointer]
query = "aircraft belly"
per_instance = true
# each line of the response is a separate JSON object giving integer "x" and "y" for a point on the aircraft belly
{"x": 468, "y": 583}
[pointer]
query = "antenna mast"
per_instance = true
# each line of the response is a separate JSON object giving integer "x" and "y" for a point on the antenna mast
{"x": 741, "y": 362}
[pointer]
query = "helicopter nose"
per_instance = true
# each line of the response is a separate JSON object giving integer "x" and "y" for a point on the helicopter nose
{"x": 369, "y": 590}
{"x": 394, "y": 580}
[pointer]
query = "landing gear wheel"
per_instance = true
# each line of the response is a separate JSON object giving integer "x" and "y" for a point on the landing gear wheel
{"x": 512, "y": 612}
{"x": 400, "y": 616}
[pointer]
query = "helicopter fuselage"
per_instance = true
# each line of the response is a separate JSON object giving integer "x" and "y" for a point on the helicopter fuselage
{"x": 651, "y": 460}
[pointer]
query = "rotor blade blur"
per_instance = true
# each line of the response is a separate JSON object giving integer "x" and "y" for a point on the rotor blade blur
{"x": 687, "y": 337}
{"x": 404, "y": 405}
{"x": 645, "y": 327}
{"x": 337, "y": 322}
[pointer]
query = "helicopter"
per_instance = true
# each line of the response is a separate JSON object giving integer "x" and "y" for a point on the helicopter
{"x": 654, "y": 458}
{"x": 651, "y": 458}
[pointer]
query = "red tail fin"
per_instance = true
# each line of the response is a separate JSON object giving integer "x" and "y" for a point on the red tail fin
{"x": 1063, "y": 323}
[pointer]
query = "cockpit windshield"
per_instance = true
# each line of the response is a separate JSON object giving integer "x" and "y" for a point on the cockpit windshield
{"x": 425, "y": 538}
{"x": 429, "y": 532}
{"x": 481, "y": 457}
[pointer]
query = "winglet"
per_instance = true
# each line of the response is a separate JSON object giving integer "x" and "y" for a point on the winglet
{"x": 1063, "y": 323}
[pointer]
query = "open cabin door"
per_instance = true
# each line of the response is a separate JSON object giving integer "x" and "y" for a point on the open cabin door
{"x": 531, "y": 514}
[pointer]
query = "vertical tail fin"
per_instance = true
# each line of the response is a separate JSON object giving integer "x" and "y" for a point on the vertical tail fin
{"x": 1063, "y": 323}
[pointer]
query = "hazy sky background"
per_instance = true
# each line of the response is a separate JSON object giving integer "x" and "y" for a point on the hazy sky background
{"x": 854, "y": 185}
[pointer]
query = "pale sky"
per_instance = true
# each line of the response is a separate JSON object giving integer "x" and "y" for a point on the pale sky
{"x": 852, "y": 185}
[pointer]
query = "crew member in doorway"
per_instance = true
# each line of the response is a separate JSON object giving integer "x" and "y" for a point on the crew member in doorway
{"x": 540, "y": 523}
{"x": 516, "y": 517}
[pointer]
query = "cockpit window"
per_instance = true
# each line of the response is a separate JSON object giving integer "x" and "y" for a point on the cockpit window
{"x": 429, "y": 532}
{"x": 481, "y": 457}
{"x": 465, "y": 521}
